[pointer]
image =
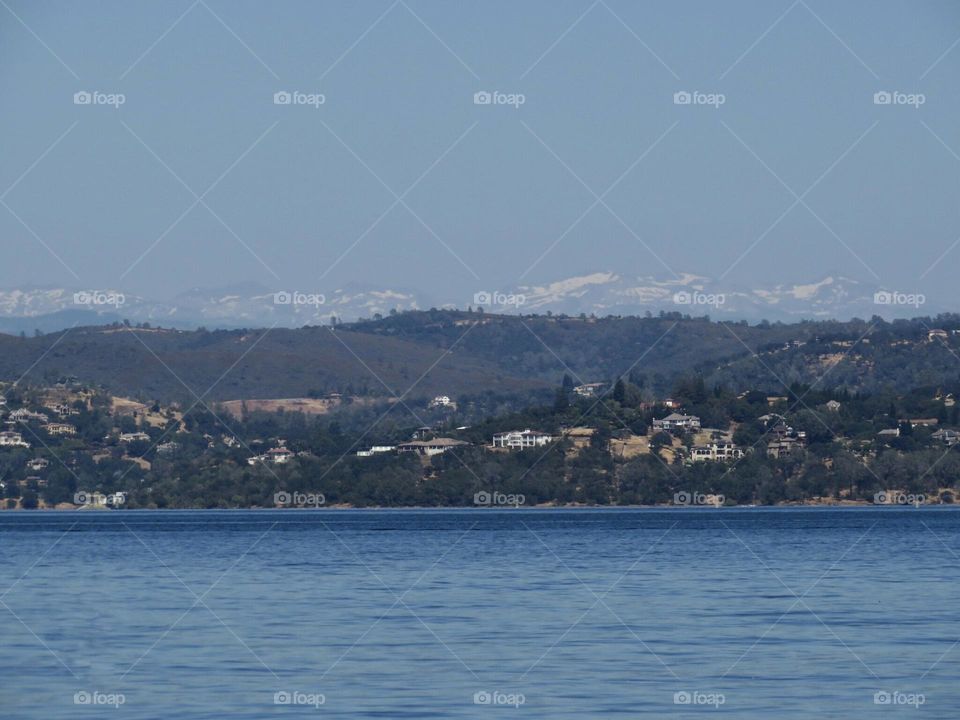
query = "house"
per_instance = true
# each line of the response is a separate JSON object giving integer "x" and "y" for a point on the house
{"x": 64, "y": 410}
{"x": 60, "y": 429}
{"x": 782, "y": 446}
{"x": 38, "y": 464}
{"x": 257, "y": 459}
{"x": 775, "y": 399}
{"x": 520, "y": 439}
{"x": 937, "y": 334}
{"x": 134, "y": 437}
{"x": 440, "y": 401}
{"x": 421, "y": 432}
{"x": 431, "y": 447}
{"x": 279, "y": 455}
{"x": 8, "y": 438}
{"x": 920, "y": 422}
{"x": 676, "y": 421}
{"x": 24, "y": 415}
{"x": 716, "y": 451}
{"x": 889, "y": 433}
{"x": 671, "y": 403}
{"x": 589, "y": 390}
{"x": 375, "y": 450}
{"x": 167, "y": 448}
{"x": 945, "y": 435}
{"x": 833, "y": 406}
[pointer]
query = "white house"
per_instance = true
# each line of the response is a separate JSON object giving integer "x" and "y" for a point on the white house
{"x": 430, "y": 447}
{"x": 133, "y": 437}
{"x": 441, "y": 401}
{"x": 38, "y": 464}
{"x": 676, "y": 421}
{"x": 833, "y": 406}
{"x": 716, "y": 451}
{"x": 589, "y": 389}
{"x": 279, "y": 455}
{"x": 8, "y": 438}
{"x": 520, "y": 439}
{"x": 60, "y": 429}
{"x": 24, "y": 415}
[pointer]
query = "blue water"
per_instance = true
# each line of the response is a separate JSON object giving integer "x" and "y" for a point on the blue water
{"x": 778, "y": 613}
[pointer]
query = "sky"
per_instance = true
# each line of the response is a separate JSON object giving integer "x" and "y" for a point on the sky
{"x": 387, "y": 171}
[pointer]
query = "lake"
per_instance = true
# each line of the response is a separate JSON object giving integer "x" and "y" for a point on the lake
{"x": 579, "y": 613}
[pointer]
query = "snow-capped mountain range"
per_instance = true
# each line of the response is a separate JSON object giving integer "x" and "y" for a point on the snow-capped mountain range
{"x": 600, "y": 293}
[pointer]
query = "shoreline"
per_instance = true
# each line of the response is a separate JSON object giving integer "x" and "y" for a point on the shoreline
{"x": 841, "y": 504}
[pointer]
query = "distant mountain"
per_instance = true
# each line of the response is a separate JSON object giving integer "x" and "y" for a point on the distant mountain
{"x": 600, "y": 293}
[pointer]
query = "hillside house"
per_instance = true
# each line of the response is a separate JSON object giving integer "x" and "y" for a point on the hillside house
{"x": 431, "y": 447}
{"x": 589, "y": 390}
{"x": 947, "y": 436}
{"x": 8, "y": 438}
{"x": 833, "y": 406}
{"x": 24, "y": 415}
{"x": 722, "y": 451}
{"x": 521, "y": 439}
{"x": 676, "y": 421}
{"x": 782, "y": 446}
{"x": 279, "y": 455}
{"x": 441, "y": 401}
{"x": 134, "y": 437}
{"x": 59, "y": 429}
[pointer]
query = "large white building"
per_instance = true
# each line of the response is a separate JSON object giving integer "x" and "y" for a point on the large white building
{"x": 8, "y": 438}
{"x": 676, "y": 421}
{"x": 520, "y": 439}
{"x": 716, "y": 451}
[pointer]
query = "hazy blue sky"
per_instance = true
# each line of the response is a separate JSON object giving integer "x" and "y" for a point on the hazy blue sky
{"x": 499, "y": 191}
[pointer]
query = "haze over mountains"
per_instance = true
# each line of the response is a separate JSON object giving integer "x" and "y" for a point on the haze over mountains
{"x": 600, "y": 293}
